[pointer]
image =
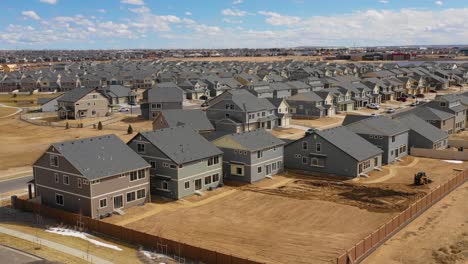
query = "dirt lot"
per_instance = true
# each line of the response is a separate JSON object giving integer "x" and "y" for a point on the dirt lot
{"x": 288, "y": 133}
{"x": 440, "y": 235}
{"x": 462, "y": 135}
{"x": 322, "y": 123}
{"x": 24, "y": 100}
{"x": 138, "y": 124}
{"x": 6, "y": 111}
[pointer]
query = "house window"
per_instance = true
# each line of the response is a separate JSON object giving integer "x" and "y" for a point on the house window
{"x": 141, "y": 193}
{"x": 239, "y": 171}
{"x": 54, "y": 162}
{"x": 140, "y": 148}
{"x": 443, "y": 104}
{"x": 103, "y": 203}
{"x": 259, "y": 169}
{"x": 96, "y": 182}
{"x": 165, "y": 185}
{"x": 207, "y": 180}
{"x": 57, "y": 177}
{"x": 273, "y": 166}
{"x": 314, "y": 162}
{"x": 259, "y": 154}
{"x": 393, "y": 138}
{"x": 141, "y": 174}
{"x": 153, "y": 164}
{"x": 94, "y": 96}
{"x": 376, "y": 162}
{"x": 131, "y": 197}
{"x": 66, "y": 180}
{"x": 85, "y": 182}
{"x": 165, "y": 165}
{"x": 304, "y": 160}
{"x": 215, "y": 177}
{"x": 187, "y": 184}
{"x": 59, "y": 199}
{"x": 304, "y": 145}
{"x": 133, "y": 176}
{"x": 79, "y": 183}
{"x": 93, "y": 112}
{"x": 318, "y": 147}
{"x": 213, "y": 160}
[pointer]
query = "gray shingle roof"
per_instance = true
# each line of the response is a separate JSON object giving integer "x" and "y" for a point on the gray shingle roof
{"x": 165, "y": 92}
{"x": 249, "y": 102}
{"x": 377, "y": 125}
{"x": 194, "y": 118}
{"x": 255, "y": 140}
{"x": 422, "y": 128}
{"x": 75, "y": 94}
{"x": 99, "y": 157}
{"x": 349, "y": 142}
{"x": 181, "y": 144}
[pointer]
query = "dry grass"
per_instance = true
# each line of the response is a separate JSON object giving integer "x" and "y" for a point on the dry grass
{"x": 21, "y": 100}
{"x": 325, "y": 122}
{"x": 6, "y": 111}
{"x": 43, "y": 252}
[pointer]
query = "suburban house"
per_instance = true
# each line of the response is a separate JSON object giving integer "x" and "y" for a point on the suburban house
{"x": 384, "y": 133}
{"x": 182, "y": 161}
{"x": 337, "y": 151}
{"x": 82, "y": 103}
{"x": 49, "y": 104}
{"x": 423, "y": 134}
{"x": 94, "y": 176}
{"x": 282, "y": 111}
{"x": 164, "y": 96}
{"x": 311, "y": 105}
{"x": 442, "y": 120}
{"x": 451, "y": 104}
{"x": 239, "y": 110}
{"x": 118, "y": 94}
{"x": 194, "y": 118}
{"x": 250, "y": 156}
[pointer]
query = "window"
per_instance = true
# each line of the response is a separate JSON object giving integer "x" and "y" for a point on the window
{"x": 273, "y": 166}
{"x": 314, "y": 162}
{"x": 227, "y": 115}
{"x": 305, "y": 160}
{"x": 153, "y": 164}
{"x": 187, "y": 184}
{"x": 165, "y": 185}
{"x": 93, "y": 112}
{"x": 59, "y": 199}
{"x": 54, "y": 161}
{"x": 393, "y": 138}
{"x": 57, "y": 177}
{"x": 79, "y": 183}
{"x": 131, "y": 197}
{"x": 239, "y": 171}
{"x": 103, "y": 203}
{"x": 158, "y": 106}
{"x": 94, "y": 96}
{"x": 141, "y": 174}
{"x": 297, "y": 156}
{"x": 133, "y": 176}
{"x": 259, "y": 154}
{"x": 213, "y": 160}
{"x": 215, "y": 177}
{"x": 172, "y": 166}
{"x": 141, "y": 193}
{"x": 207, "y": 180}
{"x": 96, "y": 182}
{"x": 259, "y": 169}
{"x": 371, "y": 136}
{"x": 85, "y": 182}
{"x": 443, "y": 104}
{"x": 263, "y": 113}
{"x": 140, "y": 148}
{"x": 304, "y": 145}
{"x": 318, "y": 147}
{"x": 66, "y": 180}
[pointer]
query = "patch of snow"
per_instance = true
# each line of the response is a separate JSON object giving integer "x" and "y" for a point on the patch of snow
{"x": 156, "y": 256}
{"x": 82, "y": 235}
{"x": 454, "y": 161}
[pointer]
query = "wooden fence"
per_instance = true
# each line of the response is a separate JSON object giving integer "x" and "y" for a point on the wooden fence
{"x": 445, "y": 154}
{"x": 371, "y": 242}
{"x": 153, "y": 242}
{"x": 458, "y": 143}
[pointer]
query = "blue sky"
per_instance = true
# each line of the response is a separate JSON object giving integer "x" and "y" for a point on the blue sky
{"x": 101, "y": 24}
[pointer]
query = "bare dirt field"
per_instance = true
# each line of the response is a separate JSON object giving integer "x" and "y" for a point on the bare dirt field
{"x": 287, "y": 133}
{"x": 6, "y": 111}
{"x": 462, "y": 135}
{"x": 440, "y": 235}
{"x": 24, "y": 100}
{"x": 138, "y": 124}
{"x": 326, "y": 122}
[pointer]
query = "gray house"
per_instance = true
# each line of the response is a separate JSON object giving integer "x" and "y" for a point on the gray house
{"x": 337, "y": 151}
{"x": 164, "y": 96}
{"x": 251, "y": 156}
{"x": 194, "y": 118}
{"x": 182, "y": 162}
{"x": 93, "y": 176}
{"x": 423, "y": 134}
{"x": 384, "y": 133}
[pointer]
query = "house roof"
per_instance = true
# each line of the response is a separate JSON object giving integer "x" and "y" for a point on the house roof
{"x": 427, "y": 113}
{"x": 349, "y": 142}
{"x": 377, "y": 125}
{"x": 251, "y": 140}
{"x": 181, "y": 144}
{"x": 350, "y": 118}
{"x": 194, "y": 118}
{"x": 165, "y": 92}
{"x": 249, "y": 102}
{"x": 100, "y": 157}
{"x": 423, "y": 128}
{"x": 75, "y": 94}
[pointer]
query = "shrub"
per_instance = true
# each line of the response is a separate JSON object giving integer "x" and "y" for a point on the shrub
{"x": 130, "y": 129}
{"x": 67, "y": 126}
{"x": 99, "y": 126}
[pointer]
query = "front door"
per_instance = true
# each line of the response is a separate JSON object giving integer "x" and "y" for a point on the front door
{"x": 198, "y": 184}
{"x": 268, "y": 169}
{"x": 118, "y": 202}
{"x": 396, "y": 153}
{"x": 360, "y": 168}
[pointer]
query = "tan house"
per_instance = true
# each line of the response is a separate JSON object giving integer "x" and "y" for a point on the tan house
{"x": 82, "y": 103}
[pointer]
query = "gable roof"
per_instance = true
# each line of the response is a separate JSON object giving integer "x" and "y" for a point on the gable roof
{"x": 194, "y": 118}
{"x": 422, "y": 128}
{"x": 251, "y": 140}
{"x": 248, "y": 102}
{"x": 165, "y": 92}
{"x": 377, "y": 125}
{"x": 75, "y": 94}
{"x": 181, "y": 144}
{"x": 350, "y": 118}
{"x": 100, "y": 157}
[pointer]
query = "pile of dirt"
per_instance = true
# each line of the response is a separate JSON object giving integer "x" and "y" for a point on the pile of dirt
{"x": 456, "y": 253}
{"x": 372, "y": 197}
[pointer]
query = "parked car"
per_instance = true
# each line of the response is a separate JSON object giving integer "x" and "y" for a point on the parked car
{"x": 390, "y": 111}
{"x": 310, "y": 131}
{"x": 420, "y": 95}
{"x": 124, "y": 109}
{"x": 373, "y": 106}
{"x": 414, "y": 104}
{"x": 433, "y": 91}
{"x": 131, "y": 103}
{"x": 401, "y": 99}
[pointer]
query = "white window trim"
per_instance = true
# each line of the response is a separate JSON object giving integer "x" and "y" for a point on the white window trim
{"x": 50, "y": 161}
{"x": 136, "y": 193}
{"x": 63, "y": 179}
{"x": 123, "y": 202}
{"x": 144, "y": 148}
{"x": 57, "y": 177}
{"x": 79, "y": 183}
{"x": 63, "y": 199}
{"x": 185, "y": 185}
{"x": 162, "y": 185}
{"x": 126, "y": 197}
{"x": 100, "y": 207}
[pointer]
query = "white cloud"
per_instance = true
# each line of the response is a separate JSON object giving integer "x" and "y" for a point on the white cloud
{"x": 236, "y": 2}
{"x": 276, "y": 19}
{"x": 233, "y": 12}
{"x": 384, "y": 1}
{"x": 31, "y": 14}
{"x": 132, "y": 2}
{"x": 52, "y": 2}
{"x": 103, "y": 11}
{"x": 140, "y": 10}
{"x": 439, "y": 3}
{"x": 188, "y": 13}
{"x": 232, "y": 21}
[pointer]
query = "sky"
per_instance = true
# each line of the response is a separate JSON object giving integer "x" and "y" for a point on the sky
{"x": 166, "y": 24}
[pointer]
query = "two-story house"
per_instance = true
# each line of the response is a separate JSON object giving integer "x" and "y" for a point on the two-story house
{"x": 94, "y": 176}
{"x": 164, "y": 96}
{"x": 182, "y": 162}
{"x": 451, "y": 104}
{"x": 82, "y": 103}
{"x": 195, "y": 118}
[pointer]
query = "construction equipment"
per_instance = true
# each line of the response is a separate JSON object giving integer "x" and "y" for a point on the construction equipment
{"x": 420, "y": 178}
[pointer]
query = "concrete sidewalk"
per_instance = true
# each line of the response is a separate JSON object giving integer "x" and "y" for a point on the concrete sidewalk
{"x": 67, "y": 250}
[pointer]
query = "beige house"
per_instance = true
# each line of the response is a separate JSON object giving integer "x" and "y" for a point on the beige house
{"x": 82, "y": 103}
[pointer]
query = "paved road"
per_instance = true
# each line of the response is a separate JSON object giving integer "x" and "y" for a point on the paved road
{"x": 14, "y": 184}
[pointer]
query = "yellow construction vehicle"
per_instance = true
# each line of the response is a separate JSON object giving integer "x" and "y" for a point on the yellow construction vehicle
{"x": 420, "y": 178}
